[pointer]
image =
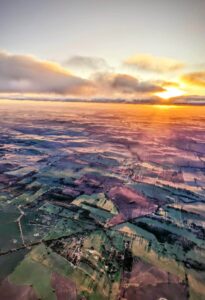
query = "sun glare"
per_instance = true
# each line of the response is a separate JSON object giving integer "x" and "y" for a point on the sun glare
{"x": 170, "y": 93}
{"x": 165, "y": 106}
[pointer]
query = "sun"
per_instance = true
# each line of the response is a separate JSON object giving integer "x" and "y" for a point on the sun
{"x": 170, "y": 92}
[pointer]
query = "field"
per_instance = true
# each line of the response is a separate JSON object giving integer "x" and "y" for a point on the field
{"x": 101, "y": 201}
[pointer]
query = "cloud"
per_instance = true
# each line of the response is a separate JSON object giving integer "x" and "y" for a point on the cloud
{"x": 195, "y": 78}
{"x": 87, "y": 62}
{"x": 190, "y": 100}
{"x": 125, "y": 84}
{"x": 152, "y": 63}
{"x": 167, "y": 84}
{"x": 26, "y": 74}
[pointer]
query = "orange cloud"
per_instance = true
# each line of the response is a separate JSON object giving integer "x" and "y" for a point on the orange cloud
{"x": 195, "y": 78}
{"x": 152, "y": 63}
{"x": 115, "y": 83}
{"x": 26, "y": 74}
{"x": 167, "y": 84}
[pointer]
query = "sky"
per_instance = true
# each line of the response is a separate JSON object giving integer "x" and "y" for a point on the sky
{"x": 129, "y": 49}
